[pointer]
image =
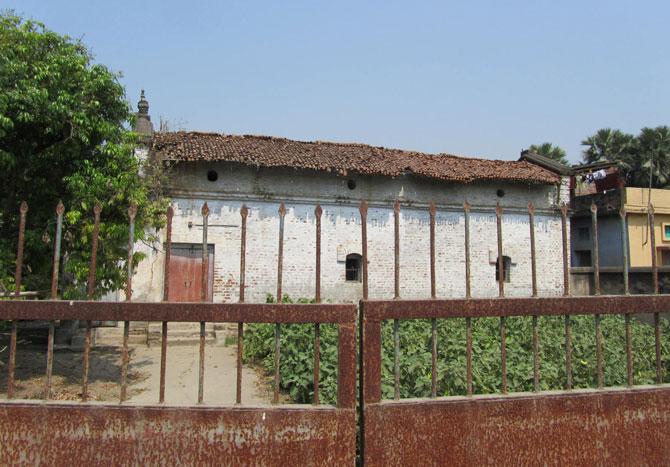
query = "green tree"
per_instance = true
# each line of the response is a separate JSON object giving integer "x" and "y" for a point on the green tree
{"x": 643, "y": 159}
{"x": 550, "y": 151}
{"x": 653, "y": 161}
{"x": 609, "y": 145}
{"x": 63, "y": 135}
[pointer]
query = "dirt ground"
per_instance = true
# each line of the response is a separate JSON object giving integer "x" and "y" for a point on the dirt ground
{"x": 143, "y": 374}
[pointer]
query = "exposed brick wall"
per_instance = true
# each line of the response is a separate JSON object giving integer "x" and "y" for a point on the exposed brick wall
{"x": 341, "y": 234}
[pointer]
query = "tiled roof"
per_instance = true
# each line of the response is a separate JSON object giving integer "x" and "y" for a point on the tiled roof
{"x": 341, "y": 158}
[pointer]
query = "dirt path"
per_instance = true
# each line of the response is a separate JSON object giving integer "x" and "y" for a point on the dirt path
{"x": 181, "y": 376}
{"x": 143, "y": 375}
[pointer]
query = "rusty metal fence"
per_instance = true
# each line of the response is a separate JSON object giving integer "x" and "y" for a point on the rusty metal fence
{"x": 621, "y": 426}
{"x": 605, "y": 425}
{"x": 53, "y": 432}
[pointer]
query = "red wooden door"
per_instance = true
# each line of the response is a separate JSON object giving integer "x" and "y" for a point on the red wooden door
{"x": 186, "y": 273}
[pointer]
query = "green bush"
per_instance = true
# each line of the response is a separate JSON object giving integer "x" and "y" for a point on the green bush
{"x": 297, "y": 350}
{"x": 296, "y": 365}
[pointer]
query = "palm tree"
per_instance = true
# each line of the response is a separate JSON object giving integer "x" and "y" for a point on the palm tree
{"x": 653, "y": 161}
{"x": 550, "y": 151}
{"x": 609, "y": 145}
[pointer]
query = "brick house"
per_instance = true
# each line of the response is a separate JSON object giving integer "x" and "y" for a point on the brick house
{"x": 260, "y": 172}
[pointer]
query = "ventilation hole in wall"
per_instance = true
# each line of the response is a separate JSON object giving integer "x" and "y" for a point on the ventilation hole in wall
{"x": 351, "y": 184}
{"x": 500, "y": 193}
{"x": 212, "y": 176}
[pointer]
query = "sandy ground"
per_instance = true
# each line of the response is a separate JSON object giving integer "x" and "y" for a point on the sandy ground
{"x": 143, "y": 374}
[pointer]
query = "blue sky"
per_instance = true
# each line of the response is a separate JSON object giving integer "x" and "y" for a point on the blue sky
{"x": 480, "y": 78}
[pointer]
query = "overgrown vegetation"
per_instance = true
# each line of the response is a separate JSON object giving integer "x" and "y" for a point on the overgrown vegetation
{"x": 297, "y": 351}
{"x": 297, "y": 356}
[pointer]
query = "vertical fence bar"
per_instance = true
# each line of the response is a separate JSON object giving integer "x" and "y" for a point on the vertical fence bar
{"x": 657, "y": 342}
{"x": 533, "y": 270}
{"x": 501, "y": 293}
{"x": 318, "y": 212}
{"x": 657, "y": 320}
{"x": 433, "y": 322}
{"x": 396, "y": 248}
{"x": 11, "y": 364}
{"x": 624, "y": 249}
{"x": 18, "y": 274}
{"x": 629, "y": 351}
{"x": 566, "y": 251}
{"x": 652, "y": 239}
{"x": 533, "y": 263}
{"x": 503, "y": 354}
{"x": 536, "y": 356}
{"x": 90, "y": 294}
{"x": 600, "y": 381}
{"x": 468, "y": 320}
{"x": 166, "y": 296}
{"x": 60, "y": 209}
{"x": 595, "y": 247}
{"x": 280, "y": 260}
{"x": 204, "y": 292}
{"x": 12, "y": 361}
{"x": 432, "y": 210}
{"x": 363, "y": 210}
{"x": 132, "y": 213}
{"x": 501, "y": 262}
{"x": 568, "y": 352}
{"x": 280, "y": 251}
{"x": 396, "y": 358}
{"x": 204, "y": 295}
{"x": 168, "y": 254}
{"x": 396, "y": 282}
{"x": 244, "y": 213}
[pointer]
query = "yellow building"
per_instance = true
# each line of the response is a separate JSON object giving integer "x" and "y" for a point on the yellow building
{"x": 636, "y": 202}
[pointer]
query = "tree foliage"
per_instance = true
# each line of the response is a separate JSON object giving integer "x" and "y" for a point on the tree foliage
{"x": 643, "y": 159}
{"x": 63, "y": 135}
{"x": 549, "y": 150}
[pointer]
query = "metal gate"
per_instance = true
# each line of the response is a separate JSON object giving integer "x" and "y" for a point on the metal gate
{"x": 628, "y": 425}
{"x": 57, "y": 433}
{"x": 605, "y": 426}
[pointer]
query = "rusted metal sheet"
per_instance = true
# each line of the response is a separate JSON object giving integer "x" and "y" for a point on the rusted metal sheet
{"x": 181, "y": 312}
{"x": 500, "y": 307}
{"x": 58, "y": 434}
{"x": 613, "y": 427}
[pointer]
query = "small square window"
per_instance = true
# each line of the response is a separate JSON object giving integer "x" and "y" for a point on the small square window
{"x": 583, "y": 233}
{"x": 353, "y": 268}
{"x": 663, "y": 256}
{"x": 582, "y": 258}
{"x": 507, "y": 265}
{"x": 666, "y": 232}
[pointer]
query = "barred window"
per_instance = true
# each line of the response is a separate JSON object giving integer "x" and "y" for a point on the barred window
{"x": 353, "y": 268}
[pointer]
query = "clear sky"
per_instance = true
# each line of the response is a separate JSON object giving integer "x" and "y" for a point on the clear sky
{"x": 480, "y": 78}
